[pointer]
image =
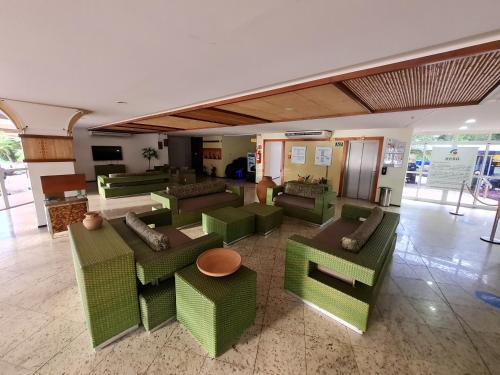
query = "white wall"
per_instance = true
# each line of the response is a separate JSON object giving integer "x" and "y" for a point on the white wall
{"x": 131, "y": 149}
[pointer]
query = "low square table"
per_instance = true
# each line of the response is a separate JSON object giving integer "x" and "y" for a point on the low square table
{"x": 267, "y": 218}
{"x": 231, "y": 223}
{"x": 216, "y": 310}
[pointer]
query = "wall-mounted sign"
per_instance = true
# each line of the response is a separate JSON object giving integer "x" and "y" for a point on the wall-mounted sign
{"x": 450, "y": 166}
{"x": 339, "y": 144}
{"x": 394, "y": 153}
{"x": 323, "y": 156}
{"x": 298, "y": 154}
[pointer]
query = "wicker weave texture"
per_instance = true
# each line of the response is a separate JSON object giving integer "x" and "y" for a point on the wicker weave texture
{"x": 106, "y": 280}
{"x": 229, "y": 222}
{"x": 157, "y": 303}
{"x": 267, "y": 217}
{"x": 350, "y": 303}
{"x": 216, "y": 310}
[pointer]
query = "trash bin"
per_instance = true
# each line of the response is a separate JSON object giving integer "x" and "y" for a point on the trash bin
{"x": 384, "y": 199}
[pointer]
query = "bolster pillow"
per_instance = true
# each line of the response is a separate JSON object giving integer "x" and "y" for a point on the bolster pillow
{"x": 155, "y": 240}
{"x": 357, "y": 239}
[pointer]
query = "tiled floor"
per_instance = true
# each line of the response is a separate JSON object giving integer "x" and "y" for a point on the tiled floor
{"x": 427, "y": 321}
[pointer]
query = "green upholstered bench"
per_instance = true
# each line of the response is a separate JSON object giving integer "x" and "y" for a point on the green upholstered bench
{"x": 216, "y": 310}
{"x": 231, "y": 223}
{"x": 157, "y": 304}
{"x": 267, "y": 218}
{"x": 342, "y": 283}
{"x": 105, "y": 273}
{"x": 131, "y": 184}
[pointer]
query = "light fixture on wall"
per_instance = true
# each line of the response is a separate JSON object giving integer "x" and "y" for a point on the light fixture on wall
{"x": 470, "y": 121}
{"x": 120, "y": 102}
{"x": 463, "y": 128}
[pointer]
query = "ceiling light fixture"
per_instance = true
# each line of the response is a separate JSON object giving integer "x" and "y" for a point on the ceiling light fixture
{"x": 463, "y": 128}
{"x": 470, "y": 121}
{"x": 288, "y": 109}
{"x": 120, "y": 102}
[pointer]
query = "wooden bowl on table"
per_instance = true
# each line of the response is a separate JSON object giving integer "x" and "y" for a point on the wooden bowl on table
{"x": 219, "y": 262}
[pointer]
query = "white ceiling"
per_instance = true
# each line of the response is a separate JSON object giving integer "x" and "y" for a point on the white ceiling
{"x": 160, "y": 55}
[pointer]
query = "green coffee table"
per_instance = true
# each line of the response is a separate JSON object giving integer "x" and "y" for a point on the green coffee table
{"x": 267, "y": 218}
{"x": 216, "y": 310}
{"x": 231, "y": 223}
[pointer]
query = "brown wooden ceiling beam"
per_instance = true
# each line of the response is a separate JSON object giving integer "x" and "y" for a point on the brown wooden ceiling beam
{"x": 131, "y": 129}
{"x": 352, "y": 96}
{"x": 251, "y": 120}
{"x": 159, "y": 128}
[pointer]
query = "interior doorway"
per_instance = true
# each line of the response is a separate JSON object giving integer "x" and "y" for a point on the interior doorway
{"x": 197, "y": 154}
{"x": 361, "y": 169}
{"x": 273, "y": 160}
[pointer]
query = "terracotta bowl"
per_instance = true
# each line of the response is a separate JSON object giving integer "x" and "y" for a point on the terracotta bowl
{"x": 219, "y": 262}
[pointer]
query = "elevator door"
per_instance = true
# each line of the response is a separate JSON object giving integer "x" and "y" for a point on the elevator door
{"x": 360, "y": 169}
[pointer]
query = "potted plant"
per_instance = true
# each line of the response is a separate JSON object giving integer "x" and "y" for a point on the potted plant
{"x": 149, "y": 153}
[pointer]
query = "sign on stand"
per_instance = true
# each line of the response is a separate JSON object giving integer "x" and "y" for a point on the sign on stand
{"x": 450, "y": 166}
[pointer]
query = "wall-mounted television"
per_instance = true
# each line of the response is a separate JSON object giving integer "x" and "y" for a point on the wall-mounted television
{"x": 104, "y": 153}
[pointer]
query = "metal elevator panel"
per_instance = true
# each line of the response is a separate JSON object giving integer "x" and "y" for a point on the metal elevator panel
{"x": 360, "y": 169}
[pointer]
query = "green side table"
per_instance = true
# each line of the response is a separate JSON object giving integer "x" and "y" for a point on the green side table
{"x": 231, "y": 223}
{"x": 267, "y": 218}
{"x": 216, "y": 310}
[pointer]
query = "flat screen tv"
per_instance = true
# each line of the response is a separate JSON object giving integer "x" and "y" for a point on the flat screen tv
{"x": 107, "y": 153}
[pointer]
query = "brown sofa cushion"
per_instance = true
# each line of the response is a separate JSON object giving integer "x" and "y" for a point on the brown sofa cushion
{"x": 195, "y": 190}
{"x": 304, "y": 190}
{"x": 294, "y": 201}
{"x": 113, "y": 175}
{"x": 157, "y": 241}
{"x": 175, "y": 236}
{"x": 331, "y": 236}
{"x": 356, "y": 240}
{"x": 206, "y": 201}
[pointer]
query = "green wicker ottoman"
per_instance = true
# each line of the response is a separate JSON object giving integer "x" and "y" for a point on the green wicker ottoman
{"x": 231, "y": 223}
{"x": 216, "y": 310}
{"x": 157, "y": 304}
{"x": 267, "y": 218}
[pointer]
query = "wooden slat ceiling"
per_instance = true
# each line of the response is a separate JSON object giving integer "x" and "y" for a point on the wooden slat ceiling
{"x": 453, "y": 82}
{"x": 315, "y": 102}
{"x": 179, "y": 123}
{"x": 460, "y": 77}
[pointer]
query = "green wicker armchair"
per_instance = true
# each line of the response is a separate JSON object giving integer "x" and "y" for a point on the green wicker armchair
{"x": 315, "y": 206}
{"x": 340, "y": 282}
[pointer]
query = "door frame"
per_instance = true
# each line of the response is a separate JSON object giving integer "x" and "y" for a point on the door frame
{"x": 343, "y": 162}
{"x": 282, "y": 166}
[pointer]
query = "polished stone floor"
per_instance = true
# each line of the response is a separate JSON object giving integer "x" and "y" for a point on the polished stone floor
{"x": 427, "y": 321}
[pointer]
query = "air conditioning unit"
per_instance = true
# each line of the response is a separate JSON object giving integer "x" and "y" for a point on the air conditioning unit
{"x": 309, "y": 134}
{"x": 110, "y": 134}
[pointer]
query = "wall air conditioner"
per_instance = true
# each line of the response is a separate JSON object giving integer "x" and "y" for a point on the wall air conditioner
{"x": 309, "y": 134}
{"x": 109, "y": 134}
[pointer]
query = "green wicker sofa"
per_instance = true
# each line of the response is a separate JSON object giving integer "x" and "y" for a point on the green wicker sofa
{"x": 155, "y": 269}
{"x": 187, "y": 202}
{"x": 182, "y": 175}
{"x": 123, "y": 184}
{"x": 310, "y": 202}
{"x": 342, "y": 283}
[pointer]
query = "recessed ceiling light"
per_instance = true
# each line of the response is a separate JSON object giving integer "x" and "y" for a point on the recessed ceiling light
{"x": 120, "y": 102}
{"x": 463, "y": 128}
{"x": 288, "y": 109}
{"x": 470, "y": 121}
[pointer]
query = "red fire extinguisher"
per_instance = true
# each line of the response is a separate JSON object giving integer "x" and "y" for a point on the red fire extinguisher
{"x": 259, "y": 156}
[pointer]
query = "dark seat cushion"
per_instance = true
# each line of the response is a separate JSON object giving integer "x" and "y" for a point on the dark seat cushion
{"x": 175, "y": 236}
{"x": 196, "y": 189}
{"x": 206, "y": 201}
{"x": 294, "y": 201}
{"x": 331, "y": 236}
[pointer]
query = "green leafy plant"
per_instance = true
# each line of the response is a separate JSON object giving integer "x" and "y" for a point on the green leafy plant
{"x": 10, "y": 149}
{"x": 323, "y": 180}
{"x": 149, "y": 153}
